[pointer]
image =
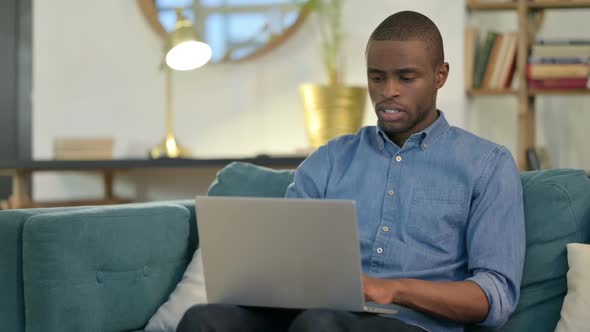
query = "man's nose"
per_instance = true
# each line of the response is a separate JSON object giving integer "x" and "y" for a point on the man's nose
{"x": 391, "y": 88}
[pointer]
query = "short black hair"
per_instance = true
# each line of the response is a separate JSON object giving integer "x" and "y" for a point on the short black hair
{"x": 409, "y": 25}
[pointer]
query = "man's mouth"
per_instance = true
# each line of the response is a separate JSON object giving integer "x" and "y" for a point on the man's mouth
{"x": 390, "y": 114}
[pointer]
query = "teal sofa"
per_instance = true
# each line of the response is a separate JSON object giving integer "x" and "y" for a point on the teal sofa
{"x": 109, "y": 268}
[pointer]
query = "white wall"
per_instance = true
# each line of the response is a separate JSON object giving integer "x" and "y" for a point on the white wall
{"x": 96, "y": 73}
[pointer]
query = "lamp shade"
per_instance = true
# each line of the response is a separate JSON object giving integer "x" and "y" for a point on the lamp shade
{"x": 186, "y": 52}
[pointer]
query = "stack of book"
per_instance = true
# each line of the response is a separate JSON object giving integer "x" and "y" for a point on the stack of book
{"x": 491, "y": 64}
{"x": 83, "y": 148}
{"x": 559, "y": 64}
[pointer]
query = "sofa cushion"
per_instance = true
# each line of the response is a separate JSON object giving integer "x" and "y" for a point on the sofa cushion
{"x": 574, "y": 313}
{"x": 557, "y": 212}
{"x": 245, "y": 179}
{"x": 193, "y": 240}
{"x": 102, "y": 269}
{"x": 11, "y": 282}
{"x": 190, "y": 291}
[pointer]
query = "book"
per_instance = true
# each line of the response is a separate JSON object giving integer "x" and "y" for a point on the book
{"x": 83, "y": 148}
{"x": 509, "y": 78}
{"x": 560, "y": 83}
{"x": 506, "y": 66}
{"x": 483, "y": 57}
{"x": 562, "y": 41}
{"x": 493, "y": 62}
{"x": 550, "y": 1}
{"x": 533, "y": 159}
{"x": 560, "y": 51}
{"x": 471, "y": 42}
{"x": 500, "y": 63}
{"x": 541, "y": 71}
{"x": 559, "y": 61}
{"x": 82, "y": 155}
{"x": 83, "y": 142}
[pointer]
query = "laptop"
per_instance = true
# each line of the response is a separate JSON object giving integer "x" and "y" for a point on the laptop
{"x": 282, "y": 253}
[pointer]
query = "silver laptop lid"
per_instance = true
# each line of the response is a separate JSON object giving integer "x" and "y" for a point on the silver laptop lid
{"x": 285, "y": 253}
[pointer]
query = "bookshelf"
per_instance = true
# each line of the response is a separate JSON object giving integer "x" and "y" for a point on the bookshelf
{"x": 560, "y": 4}
{"x": 476, "y": 5}
{"x": 558, "y": 92}
{"x": 491, "y": 92}
{"x": 524, "y": 94}
{"x": 555, "y": 4}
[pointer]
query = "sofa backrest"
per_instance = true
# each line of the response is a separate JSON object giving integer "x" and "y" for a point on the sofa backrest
{"x": 557, "y": 212}
{"x": 245, "y": 179}
{"x": 91, "y": 268}
{"x": 12, "y": 308}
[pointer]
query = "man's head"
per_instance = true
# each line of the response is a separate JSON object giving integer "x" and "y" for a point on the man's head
{"x": 405, "y": 69}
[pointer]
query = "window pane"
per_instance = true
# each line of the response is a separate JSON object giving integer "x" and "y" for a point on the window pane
{"x": 173, "y": 3}
{"x": 245, "y": 26}
{"x": 258, "y": 2}
{"x": 167, "y": 18}
{"x": 215, "y": 36}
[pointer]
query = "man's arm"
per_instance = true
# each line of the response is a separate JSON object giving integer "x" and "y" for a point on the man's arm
{"x": 461, "y": 301}
{"x": 495, "y": 243}
{"x": 311, "y": 177}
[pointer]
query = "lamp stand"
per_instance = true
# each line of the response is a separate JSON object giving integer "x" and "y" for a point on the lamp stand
{"x": 169, "y": 148}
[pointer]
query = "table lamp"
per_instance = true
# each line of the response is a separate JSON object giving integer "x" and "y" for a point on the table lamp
{"x": 184, "y": 53}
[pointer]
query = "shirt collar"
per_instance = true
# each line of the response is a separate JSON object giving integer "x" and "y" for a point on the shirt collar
{"x": 426, "y": 138}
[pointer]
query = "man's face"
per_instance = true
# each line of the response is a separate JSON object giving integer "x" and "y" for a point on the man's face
{"x": 403, "y": 81}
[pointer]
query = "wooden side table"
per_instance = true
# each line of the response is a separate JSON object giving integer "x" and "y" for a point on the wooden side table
{"x": 22, "y": 171}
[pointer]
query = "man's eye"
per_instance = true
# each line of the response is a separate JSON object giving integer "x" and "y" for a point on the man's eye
{"x": 407, "y": 78}
{"x": 376, "y": 78}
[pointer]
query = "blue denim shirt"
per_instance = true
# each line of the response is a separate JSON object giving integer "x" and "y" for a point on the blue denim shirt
{"x": 447, "y": 206}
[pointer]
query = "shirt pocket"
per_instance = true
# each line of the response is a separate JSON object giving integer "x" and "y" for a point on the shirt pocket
{"x": 436, "y": 215}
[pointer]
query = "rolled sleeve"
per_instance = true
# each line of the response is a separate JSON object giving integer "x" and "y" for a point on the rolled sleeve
{"x": 501, "y": 298}
{"x": 496, "y": 236}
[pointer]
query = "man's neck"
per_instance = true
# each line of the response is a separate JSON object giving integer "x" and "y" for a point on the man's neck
{"x": 400, "y": 139}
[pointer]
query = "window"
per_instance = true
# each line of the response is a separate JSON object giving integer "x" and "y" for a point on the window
{"x": 234, "y": 29}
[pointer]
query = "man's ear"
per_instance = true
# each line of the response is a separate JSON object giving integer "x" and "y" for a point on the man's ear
{"x": 442, "y": 73}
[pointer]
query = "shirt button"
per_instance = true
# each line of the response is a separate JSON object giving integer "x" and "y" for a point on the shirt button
{"x": 385, "y": 229}
{"x": 425, "y": 146}
{"x": 379, "y": 250}
{"x": 391, "y": 193}
{"x": 398, "y": 159}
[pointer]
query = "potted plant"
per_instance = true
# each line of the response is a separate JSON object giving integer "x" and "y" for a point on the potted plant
{"x": 331, "y": 109}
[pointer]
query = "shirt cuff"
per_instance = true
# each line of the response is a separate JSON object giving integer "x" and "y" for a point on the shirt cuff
{"x": 500, "y": 307}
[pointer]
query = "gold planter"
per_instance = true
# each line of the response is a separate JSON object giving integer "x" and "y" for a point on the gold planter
{"x": 332, "y": 111}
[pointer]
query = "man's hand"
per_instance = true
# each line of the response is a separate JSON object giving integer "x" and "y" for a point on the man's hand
{"x": 381, "y": 291}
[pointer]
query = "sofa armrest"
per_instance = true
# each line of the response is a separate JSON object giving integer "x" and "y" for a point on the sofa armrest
{"x": 102, "y": 269}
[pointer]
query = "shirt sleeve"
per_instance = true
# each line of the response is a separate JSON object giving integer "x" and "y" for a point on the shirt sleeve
{"x": 496, "y": 236}
{"x": 311, "y": 177}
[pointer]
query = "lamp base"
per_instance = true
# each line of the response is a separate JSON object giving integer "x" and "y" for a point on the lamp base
{"x": 169, "y": 148}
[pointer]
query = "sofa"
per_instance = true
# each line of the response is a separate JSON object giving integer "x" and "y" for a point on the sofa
{"x": 109, "y": 268}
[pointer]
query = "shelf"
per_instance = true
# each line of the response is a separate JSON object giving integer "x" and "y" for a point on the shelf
{"x": 491, "y": 92}
{"x": 554, "y": 92}
{"x": 555, "y": 4}
{"x": 532, "y": 92}
{"x": 560, "y": 4}
{"x": 491, "y": 6}
{"x": 11, "y": 167}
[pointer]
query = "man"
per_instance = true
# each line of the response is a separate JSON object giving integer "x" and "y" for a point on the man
{"x": 440, "y": 211}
